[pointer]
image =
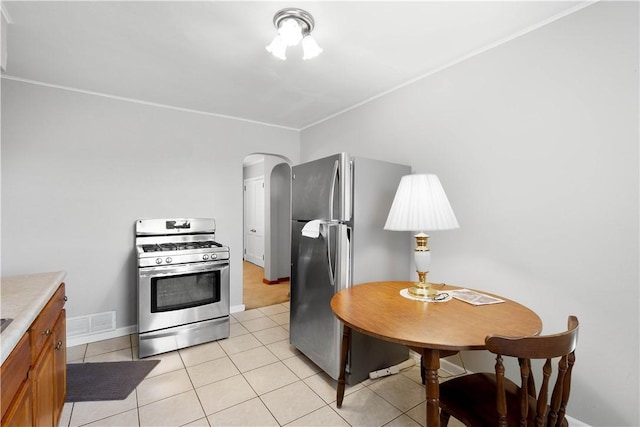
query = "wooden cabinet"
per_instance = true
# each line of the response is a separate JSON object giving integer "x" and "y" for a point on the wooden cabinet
{"x": 16, "y": 386}
{"x": 42, "y": 328}
{"x": 59, "y": 365}
{"x": 38, "y": 397}
{"x": 20, "y": 414}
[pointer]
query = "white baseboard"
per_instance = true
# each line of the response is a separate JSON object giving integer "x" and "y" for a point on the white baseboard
{"x": 237, "y": 308}
{"x": 575, "y": 423}
{"x": 452, "y": 368}
{"x": 89, "y": 338}
{"x": 449, "y": 367}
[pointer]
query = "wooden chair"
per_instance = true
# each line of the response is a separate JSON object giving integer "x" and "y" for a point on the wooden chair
{"x": 486, "y": 399}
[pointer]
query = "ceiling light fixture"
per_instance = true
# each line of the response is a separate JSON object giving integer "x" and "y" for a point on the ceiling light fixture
{"x": 293, "y": 25}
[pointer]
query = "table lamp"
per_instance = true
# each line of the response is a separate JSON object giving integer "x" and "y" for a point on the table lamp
{"x": 420, "y": 204}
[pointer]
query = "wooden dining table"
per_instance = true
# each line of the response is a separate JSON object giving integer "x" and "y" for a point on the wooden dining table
{"x": 430, "y": 328}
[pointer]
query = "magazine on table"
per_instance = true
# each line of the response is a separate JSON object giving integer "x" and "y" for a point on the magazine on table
{"x": 473, "y": 297}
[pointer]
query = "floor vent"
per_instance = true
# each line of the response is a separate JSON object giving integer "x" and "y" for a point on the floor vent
{"x": 94, "y": 323}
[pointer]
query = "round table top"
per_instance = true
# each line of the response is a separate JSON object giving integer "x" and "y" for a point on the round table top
{"x": 378, "y": 309}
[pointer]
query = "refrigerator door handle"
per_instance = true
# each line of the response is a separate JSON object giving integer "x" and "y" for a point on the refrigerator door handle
{"x": 332, "y": 277}
{"x": 343, "y": 258}
{"x": 339, "y": 263}
{"x": 334, "y": 178}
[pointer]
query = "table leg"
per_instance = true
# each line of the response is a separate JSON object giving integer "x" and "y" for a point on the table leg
{"x": 431, "y": 364}
{"x": 344, "y": 351}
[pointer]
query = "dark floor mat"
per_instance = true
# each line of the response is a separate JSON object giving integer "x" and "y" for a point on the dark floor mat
{"x": 105, "y": 380}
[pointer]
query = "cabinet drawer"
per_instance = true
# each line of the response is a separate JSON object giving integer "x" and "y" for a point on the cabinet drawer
{"x": 14, "y": 371}
{"x": 42, "y": 327}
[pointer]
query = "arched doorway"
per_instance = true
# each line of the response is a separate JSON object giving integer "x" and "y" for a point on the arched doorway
{"x": 267, "y": 215}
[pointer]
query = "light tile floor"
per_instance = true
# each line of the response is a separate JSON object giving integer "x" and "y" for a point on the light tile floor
{"x": 253, "y": 378}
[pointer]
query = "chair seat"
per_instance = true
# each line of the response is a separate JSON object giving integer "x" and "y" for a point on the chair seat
{"x": 478, "y": 391}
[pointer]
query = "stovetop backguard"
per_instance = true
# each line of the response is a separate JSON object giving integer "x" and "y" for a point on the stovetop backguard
{"x": 175, "y": 226}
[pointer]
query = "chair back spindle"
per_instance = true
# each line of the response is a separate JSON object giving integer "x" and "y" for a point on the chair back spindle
{"x": 566, "y": 389}
{"x": 501, "y": 402}
{"x": 528, "y": 389}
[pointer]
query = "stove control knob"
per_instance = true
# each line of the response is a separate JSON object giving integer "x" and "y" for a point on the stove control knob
{"x": 214, "y": 256}
{"x": 205, "y": 257}
{"x": 168, "y": 260}
{"x": 158, "y": 260}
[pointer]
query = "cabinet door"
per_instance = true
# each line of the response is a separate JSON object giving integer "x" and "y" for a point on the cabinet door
{"x": 44, "y": 387}
{"x": 20, "y": 413}
{"x": 14, "y": 372}
{"x": 60, "y": 364}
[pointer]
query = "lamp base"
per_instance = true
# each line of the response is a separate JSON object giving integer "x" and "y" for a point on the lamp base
{"x": 422, "y": 290}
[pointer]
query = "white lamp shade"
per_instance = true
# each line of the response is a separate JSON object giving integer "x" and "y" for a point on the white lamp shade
{"x": 420, "y": 204}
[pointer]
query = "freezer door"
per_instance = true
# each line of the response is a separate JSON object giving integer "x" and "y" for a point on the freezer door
{"x": 321, "y": 189}
{"x": 319, "y": 268}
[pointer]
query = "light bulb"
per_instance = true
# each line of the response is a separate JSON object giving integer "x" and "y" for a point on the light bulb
{"x": 290, "y": 31}
{"x": 278, "y": 48}
{"x": 310, "y": 48}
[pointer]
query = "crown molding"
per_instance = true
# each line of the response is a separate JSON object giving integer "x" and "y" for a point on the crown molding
{"x": 138, "y": 101}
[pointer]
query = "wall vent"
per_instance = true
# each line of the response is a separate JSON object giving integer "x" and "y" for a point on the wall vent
{"x": 94, "y": 323}
{"x": 103, "y": 322}
{"x": 78, "y": 326}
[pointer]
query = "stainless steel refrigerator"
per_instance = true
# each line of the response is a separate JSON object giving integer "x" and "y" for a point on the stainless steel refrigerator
{"x": 339, "y": 207}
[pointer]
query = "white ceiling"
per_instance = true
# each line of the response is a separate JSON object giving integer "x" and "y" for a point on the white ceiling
{"x": 210, "y": 56}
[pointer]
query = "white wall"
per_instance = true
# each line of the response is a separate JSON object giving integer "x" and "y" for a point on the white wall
{"x": 536, "y": 144}
{"x": 78, "y": 170}
{"x": 281, "y": 214}
{"x": 277, "y": 214}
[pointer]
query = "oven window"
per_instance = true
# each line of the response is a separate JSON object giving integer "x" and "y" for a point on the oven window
{"x": 184, "y": 291}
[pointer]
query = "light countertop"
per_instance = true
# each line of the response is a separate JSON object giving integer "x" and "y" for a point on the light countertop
{"x": 21, "y": 299}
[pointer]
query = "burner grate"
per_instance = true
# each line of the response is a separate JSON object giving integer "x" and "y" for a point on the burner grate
{"x": 180, "y": 246}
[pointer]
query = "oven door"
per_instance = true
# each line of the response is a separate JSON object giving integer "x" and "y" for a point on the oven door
{"x": 176, "y": 295}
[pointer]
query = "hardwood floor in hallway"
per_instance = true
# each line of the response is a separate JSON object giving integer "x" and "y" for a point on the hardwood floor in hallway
{"x": 256, "y": 293}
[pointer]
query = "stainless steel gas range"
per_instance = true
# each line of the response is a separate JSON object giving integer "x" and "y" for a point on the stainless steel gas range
{"x": 183, "y": 284}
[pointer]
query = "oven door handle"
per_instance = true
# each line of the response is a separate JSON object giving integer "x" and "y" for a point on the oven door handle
{"x": 165, "y": 270}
